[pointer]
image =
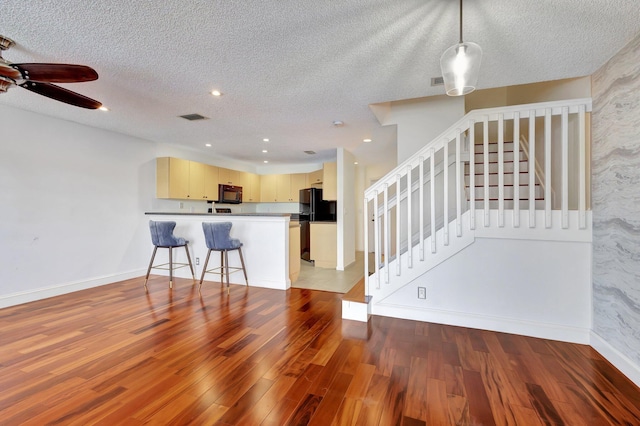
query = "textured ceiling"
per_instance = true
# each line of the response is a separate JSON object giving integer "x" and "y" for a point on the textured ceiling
{"x": 288, "y": 69}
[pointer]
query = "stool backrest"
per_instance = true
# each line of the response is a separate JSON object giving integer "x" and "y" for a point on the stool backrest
{"x": 217, "y": 236}
{"x": 162, "y": 234}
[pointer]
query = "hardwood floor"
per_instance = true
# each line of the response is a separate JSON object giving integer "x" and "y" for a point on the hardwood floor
{"x": 115, "y": 355}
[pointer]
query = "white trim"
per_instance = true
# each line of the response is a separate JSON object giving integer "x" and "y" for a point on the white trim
{"x": 60, "y": 289}
{"x": 485, "y": 322}
{"x": 620, "y": 361}
{"x": 356, "y": 311}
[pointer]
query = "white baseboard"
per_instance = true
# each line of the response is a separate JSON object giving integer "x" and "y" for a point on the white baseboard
{"x": 484, "y": 322}
{"x": 57, "y": 290}
{"x": 615, "y": 357}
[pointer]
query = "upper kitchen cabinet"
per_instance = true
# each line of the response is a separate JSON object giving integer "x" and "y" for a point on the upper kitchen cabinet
{"x": 268, "y": 188}
{"x": 228, "y": 176}
{"x": 283, "y": 188}
{"x": 210, "y": 182}
{"x": 172, "y": 178}
{"x": 250, "y": 183}
{"x": 298, "y": 181}
{"x": 315, "y": 178}
{"x": 185, "y": 180}
{"x": 330, "y": 181}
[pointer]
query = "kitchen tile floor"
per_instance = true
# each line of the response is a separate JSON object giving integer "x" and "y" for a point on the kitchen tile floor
{"x": 325, "y": 279}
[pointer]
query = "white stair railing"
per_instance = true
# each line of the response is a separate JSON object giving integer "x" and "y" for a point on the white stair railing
{"x": 419, "y": 199}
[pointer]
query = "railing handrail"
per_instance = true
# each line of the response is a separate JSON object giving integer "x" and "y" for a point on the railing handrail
{"x": 462, "y": 125}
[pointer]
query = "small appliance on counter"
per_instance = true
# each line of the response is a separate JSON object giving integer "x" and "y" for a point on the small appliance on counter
{"x": 223, "y": 210}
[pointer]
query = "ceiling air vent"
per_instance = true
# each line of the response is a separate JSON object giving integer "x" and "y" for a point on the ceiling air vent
{"x": 310, "y": 152}
{"x": 194, "y": 117}
{"x": 437, "y": 81}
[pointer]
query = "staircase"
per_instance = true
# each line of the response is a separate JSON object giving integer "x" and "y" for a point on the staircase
{"x": 515, "y": 187}
{"x": 517, "y": 173}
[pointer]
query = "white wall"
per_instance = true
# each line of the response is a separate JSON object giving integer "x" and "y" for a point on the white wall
{"x": 73, "y": 200}
{"x": 346, "y": 206}
{"x": 535, "y": 288}
{"x": 419, "y": 121}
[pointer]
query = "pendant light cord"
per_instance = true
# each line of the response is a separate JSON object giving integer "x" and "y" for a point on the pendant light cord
{"x": 460, "y": 21}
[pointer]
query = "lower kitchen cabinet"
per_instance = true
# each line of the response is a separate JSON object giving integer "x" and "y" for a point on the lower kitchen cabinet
{"x": 324, "y": 241}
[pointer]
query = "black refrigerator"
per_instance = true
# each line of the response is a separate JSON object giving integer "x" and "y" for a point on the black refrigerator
{"x": 313, "y": 209}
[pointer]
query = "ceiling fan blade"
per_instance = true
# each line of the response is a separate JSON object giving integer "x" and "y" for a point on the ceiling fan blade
{"x": 56, "y": 73}
{"x": 61, "y": 94}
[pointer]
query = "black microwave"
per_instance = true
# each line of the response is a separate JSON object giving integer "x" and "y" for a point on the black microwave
{"x": 229, "y": 194}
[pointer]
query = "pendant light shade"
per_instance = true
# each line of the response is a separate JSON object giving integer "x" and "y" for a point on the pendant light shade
{"x": 460, "y": 65}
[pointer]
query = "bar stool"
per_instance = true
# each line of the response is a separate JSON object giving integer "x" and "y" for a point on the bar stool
{"x": 217, "y": 237}
{"x": 162, "y": 236}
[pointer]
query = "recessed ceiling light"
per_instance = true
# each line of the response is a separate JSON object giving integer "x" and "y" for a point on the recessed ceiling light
{"x": 265, "y": 140}
{"x": 207, "y": 144}
{"x": 216, "y": 93}
{"x": 338, "y": 123}
{"x": 265, "y": 161}
{"x": 366, "y": 140}
{"x": 265, "y": 151}
{"x": 103, "y": 108}
{"x": 355, "y": 162}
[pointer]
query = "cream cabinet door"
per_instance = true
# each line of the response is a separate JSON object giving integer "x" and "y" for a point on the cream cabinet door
{"x": 315, "y": 178}
{"x": 268, "y": 188}
{"x": 330, "y": 181}
{"x": 298, "y": 182}
{"x": 228, "y": 176}
{"x": 210, "y": 182}
{"x": 172, "y": 178}
{"x": 283, "y": 188}
{"x": 196, "y": 181}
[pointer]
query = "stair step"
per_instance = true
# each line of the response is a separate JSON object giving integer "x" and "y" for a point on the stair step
{"x": 493, "y": 167}
{"x": 493, "y": 147}
{"x": 493, "y": 157}
{"x": 509, "y": 204}
{"x": 509, "y": 178}
{"x": 508, "y": 192}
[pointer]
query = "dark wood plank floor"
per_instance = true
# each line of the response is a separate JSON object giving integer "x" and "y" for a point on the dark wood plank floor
{"x": 116, "y": 355}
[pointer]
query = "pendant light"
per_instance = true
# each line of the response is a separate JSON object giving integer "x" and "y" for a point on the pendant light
{"x": 460, "y": 66}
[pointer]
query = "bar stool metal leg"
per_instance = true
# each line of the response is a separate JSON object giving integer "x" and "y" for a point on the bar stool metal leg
{"x": 204, "y": 269}
{"x": 193, "y": 274}
{"x": 244, "y": 271}
{"x": 146, "y": 278}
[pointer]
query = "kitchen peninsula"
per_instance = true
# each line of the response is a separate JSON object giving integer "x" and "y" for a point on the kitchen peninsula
{"x": 265, "y": 239}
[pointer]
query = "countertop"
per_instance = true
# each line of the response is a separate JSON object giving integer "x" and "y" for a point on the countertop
{"x": 220, "y": 214}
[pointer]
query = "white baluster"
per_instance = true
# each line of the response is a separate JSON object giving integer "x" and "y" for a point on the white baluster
{"x": 445, "y": 172}
{"x": 432, "y": 197}
{"x": 472, "y": 174}
{"x": 398, "y": 217}
{"x": 365, "y": 210}
{"x": 421, "y": 198}
{"x": 547, "y": 168}
{"x": 565, "y": 167}
{"x": 409, "y": 219}
{"x": 501, "y": 170}
{"x": 532, "y": 169}
{"x": 516, "y": 169}
{"x": 486, "y": 170}
{"x": 582, "y": 202}
{"x": 376, "y": 237}
{"x": 458, "y": 187}
{"x": 387, "y": 232}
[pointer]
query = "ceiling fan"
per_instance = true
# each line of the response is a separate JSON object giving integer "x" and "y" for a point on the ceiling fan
{"x": 37, "y": 77}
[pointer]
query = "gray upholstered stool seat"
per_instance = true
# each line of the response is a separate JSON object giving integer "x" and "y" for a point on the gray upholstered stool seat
{"x": 162, "y": 237}
{"x": 217, "y": 237}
